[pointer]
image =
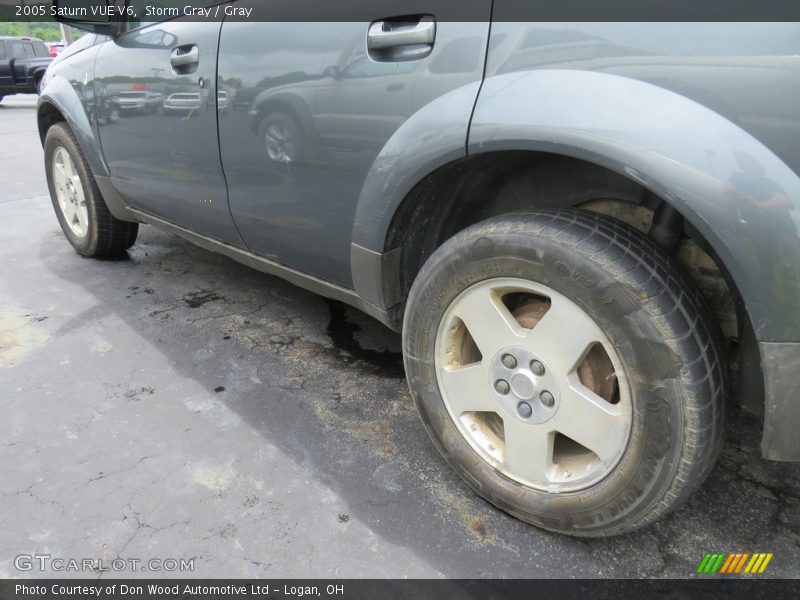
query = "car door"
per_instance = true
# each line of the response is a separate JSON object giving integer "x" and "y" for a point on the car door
{"x": 312, "y": 107}
{"x": 165, "y": 162}
{"x": 6, "y": 81}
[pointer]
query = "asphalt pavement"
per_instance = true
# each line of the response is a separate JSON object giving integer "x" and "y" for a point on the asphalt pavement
{"x": 174, "y": 404}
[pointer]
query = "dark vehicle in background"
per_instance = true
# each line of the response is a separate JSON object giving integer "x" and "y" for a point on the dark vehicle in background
{"x": 23, "y": 62}
{"x": 587, "y": 232}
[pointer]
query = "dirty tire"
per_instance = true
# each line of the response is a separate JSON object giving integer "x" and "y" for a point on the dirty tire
{"x": 655, "y": 318}
{"x": 106, "y": 236}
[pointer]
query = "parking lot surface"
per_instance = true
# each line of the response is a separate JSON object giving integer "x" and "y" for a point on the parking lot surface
{"x": 175, "y": 404}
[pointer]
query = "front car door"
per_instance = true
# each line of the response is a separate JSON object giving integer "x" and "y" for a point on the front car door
{"x": 310, "y": 114}
{"x": 162, "y": 151}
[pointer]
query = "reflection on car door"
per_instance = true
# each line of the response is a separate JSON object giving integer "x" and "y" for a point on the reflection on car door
{"x": 347, "y": 115}
{"x": 163, "y": 151}
{"x": 310, "y": 111}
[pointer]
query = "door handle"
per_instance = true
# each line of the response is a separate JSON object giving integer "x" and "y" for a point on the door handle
{"x": 388, "y": 34}
{"x": 183, "y": 56}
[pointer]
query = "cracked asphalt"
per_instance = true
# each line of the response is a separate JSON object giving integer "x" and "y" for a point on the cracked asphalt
{"x": 175, "y": 404}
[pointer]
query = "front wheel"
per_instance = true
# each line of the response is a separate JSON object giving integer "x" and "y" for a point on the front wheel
{"x": 82, "y": 213}
{"x": 567, "y": 369}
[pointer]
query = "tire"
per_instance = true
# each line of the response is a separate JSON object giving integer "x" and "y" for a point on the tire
{"x": 288, "y": 147}
{"x": 613, "y": 443}
{"x": 92, "y": 229}
{"x": 39, "y": 81}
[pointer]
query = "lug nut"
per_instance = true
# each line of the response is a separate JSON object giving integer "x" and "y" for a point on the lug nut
{"x": 509, "y": 362}
{"x": 547, "y": 398}
{"x": 537, "y": 368}
{"x": 502, "y": 387}
{"x": 524, "y": 410}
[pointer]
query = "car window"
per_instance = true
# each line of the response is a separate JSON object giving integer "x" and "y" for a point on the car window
{"x": 28, "y": 47}
{"x": 39, "y": 49}
{"x": 17, "y": 50}
{"x": 2, "y": 50}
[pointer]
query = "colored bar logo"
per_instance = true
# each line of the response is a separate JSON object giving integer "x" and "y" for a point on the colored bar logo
{"x": 734, "y": 563}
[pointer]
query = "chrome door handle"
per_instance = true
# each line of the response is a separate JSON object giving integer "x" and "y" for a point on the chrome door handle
{"x": 386, "y": 34}
{"x": 183, "y": 56}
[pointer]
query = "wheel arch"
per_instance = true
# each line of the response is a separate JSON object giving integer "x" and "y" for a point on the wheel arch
{"x": 687, "y": 162}
{"x": 37, "y": 73}
{"x": 60, "y": 102}
{"x": 290, "y": 104}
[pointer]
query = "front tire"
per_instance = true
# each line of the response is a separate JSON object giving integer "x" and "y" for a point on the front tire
{"x": 567, "y": 369}
{"x": 82, "y": 213}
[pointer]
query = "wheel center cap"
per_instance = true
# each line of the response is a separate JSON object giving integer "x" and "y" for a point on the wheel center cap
{"x": 522, "y": 386}
{"x": 525, "y": 387}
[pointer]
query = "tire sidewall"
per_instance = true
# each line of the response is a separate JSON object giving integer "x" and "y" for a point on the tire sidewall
{"x": 56, "y": 138}
{"x": 653, "y": 451}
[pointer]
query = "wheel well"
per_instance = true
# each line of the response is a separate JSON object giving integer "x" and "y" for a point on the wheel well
{"x": 47, "y": 116}
{"x": 476, "y": 188}
{"x": 279, "y": 105}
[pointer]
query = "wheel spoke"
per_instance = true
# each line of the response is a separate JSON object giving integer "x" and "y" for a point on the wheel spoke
{"x": 487, "y": 319}
{"x": 59, "y": 176}
{"x": 69, "y": 171}
{"x": 529, "y": 450}
{"x": 69, "y": 212}
{"x": 83, "y": 217}
{"x": 591, "y": 421}
{"x": 563, "y": 335}
{"x": 467, "y": 389}
{"x": 76, "y": 183}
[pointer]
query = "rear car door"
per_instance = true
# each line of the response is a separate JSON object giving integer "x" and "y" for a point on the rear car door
{"x": 6, "y": 81}
{"x": 162, "y": 151}
{"x": 312, "y": 106}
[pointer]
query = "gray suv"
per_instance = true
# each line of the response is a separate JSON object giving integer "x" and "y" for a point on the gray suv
{"x": 586, "y": 232}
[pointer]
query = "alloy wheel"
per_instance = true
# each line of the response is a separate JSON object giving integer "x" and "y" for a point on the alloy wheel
{"x": 70, "y": 193}
{"x": 533, "y": 384}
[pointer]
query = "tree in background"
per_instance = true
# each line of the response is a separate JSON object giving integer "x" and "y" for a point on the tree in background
{"x": 48, "y": 32}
